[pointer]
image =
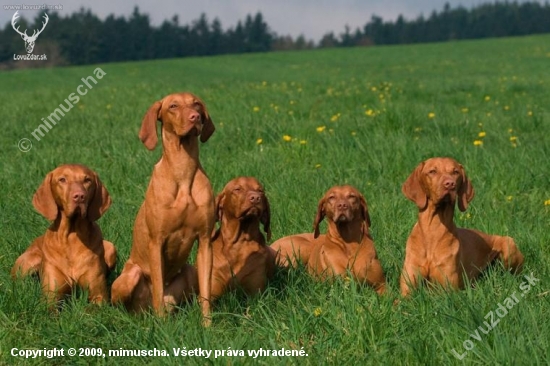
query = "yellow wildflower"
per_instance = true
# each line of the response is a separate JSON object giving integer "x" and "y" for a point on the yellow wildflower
{"x": 509, "y": 198}
{"x": 487, "y": 98}
{"x": 335, "y": 117}
{"x": 353, "y": 133}
{"x": 317, "y": 312}
{"x": 317, "y": 166}
{"x": 259, "y": 141}
{"x": 431, "y": 115}
{"x": 513, "y": 138}
{"x": 530, "y": 113}
{"x": 478, "y": 143}
{"x": 506, "y": 108}
{"x": 547, "y": 203}
{"x": 108, "y": 106}
{"x": 464, "y": 110}
{"x": 256, "y": 109}
{"x": 369, "y": 112}
{"x": 287, "y": 138}
{"x": 321, "y": 128}
{"x": 482, "y": 134}
{"x": 303, "y": 142}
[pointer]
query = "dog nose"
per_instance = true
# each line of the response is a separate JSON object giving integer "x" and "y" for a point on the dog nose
{"x": 342, "y": 205}
{"x": 449, "y": 184}
{"x": 254, "y": 198}
{"x": 194, "y": 117}
{"x": 78, "y": 197}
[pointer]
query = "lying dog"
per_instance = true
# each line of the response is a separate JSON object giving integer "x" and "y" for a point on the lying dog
{"x": 437, "y": 250}
{"x": 72, "y": 252}
{"x": 178, "y": 210}
{"x": 241, "y": 257}
{"x": 347, "y": 246}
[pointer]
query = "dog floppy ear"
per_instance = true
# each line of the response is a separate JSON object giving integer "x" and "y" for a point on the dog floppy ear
{"x": 319, "y": 217}
{"x": 412, "y": 188}
{"x": 266, "y": 219}
{"x": 466, "y": 192}
{"x": 148, "y": 131}
{"x": 365, "y": 215}
{"x": 207, "y": 124}
{"x": 100, "y": 202}
{"x": 43, "y": 200}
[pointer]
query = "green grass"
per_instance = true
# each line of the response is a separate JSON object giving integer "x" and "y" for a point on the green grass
{"x": 500, "y": 87}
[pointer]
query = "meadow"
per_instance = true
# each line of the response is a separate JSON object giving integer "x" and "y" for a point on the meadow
{"x": 301, "y": 122}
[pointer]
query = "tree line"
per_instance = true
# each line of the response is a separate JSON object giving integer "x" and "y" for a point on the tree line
{"x": 83, "y": 38}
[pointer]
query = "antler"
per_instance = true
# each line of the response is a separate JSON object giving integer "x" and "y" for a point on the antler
{"x": 13, "y": 20}
{"x": 24, "y": 34}
{"x": 43, "y": 26}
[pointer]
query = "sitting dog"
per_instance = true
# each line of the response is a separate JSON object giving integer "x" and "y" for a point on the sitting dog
{"x": 241, "y": 257}
{"x": 347, "y": 246}
{"x": 72, "y": 252}
{"x": 436, "y": 249}
{"x": 178, "y": 210}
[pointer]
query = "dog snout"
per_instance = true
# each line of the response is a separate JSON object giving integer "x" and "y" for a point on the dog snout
{"x": 449, "y": 184}
{"x": 254, "y": 197}
{"x": 342, "y": 205}
{"x": 194, "y": 117}
{"x": 79, "y": 196}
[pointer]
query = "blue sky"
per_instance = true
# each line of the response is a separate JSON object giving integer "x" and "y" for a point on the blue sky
{"x": 312, "y": 18}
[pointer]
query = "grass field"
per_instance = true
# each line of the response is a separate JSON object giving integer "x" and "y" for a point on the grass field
{"x": 362, "y": 116}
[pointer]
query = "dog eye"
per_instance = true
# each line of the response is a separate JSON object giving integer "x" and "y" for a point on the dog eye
{"x": 172, "y": 106}
{"x": 432, "y": 171}
{"x": 62, "y": 180}
{"x": 456, "y": 172}
{"x": 238, "y": 189}
{"x": 87, "y": 180}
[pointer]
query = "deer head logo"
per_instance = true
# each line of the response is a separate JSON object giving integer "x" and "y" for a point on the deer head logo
{"x": 29, "y": 41}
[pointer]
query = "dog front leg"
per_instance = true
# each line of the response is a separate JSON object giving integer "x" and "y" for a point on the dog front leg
{"x": 156, "y": 263}
{"x": 204, "y": 268}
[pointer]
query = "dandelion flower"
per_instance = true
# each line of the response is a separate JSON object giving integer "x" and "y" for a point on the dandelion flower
{"x": 369, "y": 112}
{"x": 487, "y": 98}
{"x": 506, "y": 108}
{"x": 530, "y": 113}
{"x": 513, "y": 138}
{"x": 509, "y": 198}
{"x": 478, "y": 143}
{"x": 259, "y": 141}
{"x": 431, "y": 115}
{"x": 335, "y": 117}
{"x": 317, "y": 312}
{"x": 321, "y": 128}
{"x": 547, "y": 203}
{"x": 287, "y": 138}
{"x": 317, "y": 166}
{"x": 353, "y": 133}
{"x": 482, "y": 134}
{"x": 510, "y": 130}
{"x": 303, "y": 142}
{"x": 256, "y": 109}
{"x": 464, "y": 110}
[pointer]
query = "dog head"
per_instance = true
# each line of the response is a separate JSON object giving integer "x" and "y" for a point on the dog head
{"x": 441, "y": 181}
{"x": 182, "y": 114}
{"x": 72, "y": 190}
{"x": 243, "y": 198}
{"x": 342, "y": 204}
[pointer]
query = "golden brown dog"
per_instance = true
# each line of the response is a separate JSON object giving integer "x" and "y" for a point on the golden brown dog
{"x": 72, "y": 251}
{"x": 347, "y": 246}
{"x": 437, "y": 250}
{"x": 178, "y": 209}
{"x": 241, "y": 257}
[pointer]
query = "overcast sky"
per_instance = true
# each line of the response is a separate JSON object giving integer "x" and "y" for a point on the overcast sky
{"x": 312, "y": 18}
